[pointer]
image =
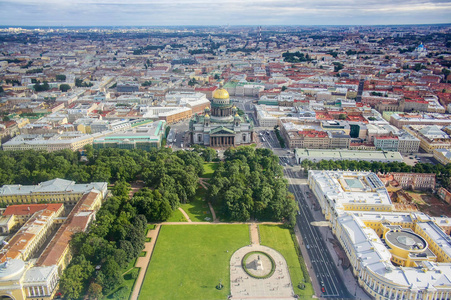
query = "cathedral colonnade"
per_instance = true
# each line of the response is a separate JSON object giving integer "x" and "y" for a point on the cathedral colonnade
{"x": 220, "y": 141}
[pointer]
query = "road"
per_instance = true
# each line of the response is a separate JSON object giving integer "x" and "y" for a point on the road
{"x": 360, "y": 90}
{"x": 182, "y": 128}
{"x": 321, "y": 261}
{"x": 268, "y": 139}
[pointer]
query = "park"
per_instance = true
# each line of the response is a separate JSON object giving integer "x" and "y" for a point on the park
{"x": 190, "y": 261}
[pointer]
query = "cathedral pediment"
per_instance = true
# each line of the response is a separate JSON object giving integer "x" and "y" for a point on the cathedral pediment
{"x": 222, "y": 130}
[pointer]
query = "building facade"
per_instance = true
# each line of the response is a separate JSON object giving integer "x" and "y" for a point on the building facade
{"x": 22, "y": 275}
{"x": 394, "y": 255}
{"x": 221, "y": 126}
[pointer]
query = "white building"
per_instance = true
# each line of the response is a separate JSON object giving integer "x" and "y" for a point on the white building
{"x": 393, "y": 255}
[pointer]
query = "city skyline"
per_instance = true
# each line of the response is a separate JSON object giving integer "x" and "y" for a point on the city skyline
{"x": 222, "y": 12}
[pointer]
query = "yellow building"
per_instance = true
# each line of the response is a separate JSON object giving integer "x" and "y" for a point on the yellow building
{"x": 56, "y": 190}
{"x": 402, "y": 256}
{"x": 22, "y": 278}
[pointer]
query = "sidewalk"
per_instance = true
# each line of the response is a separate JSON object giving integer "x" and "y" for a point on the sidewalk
{"x": 143, "y": 262}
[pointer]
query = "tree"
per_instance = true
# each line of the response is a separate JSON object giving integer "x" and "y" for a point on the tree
{"x": 60, "y": 77}
{"x": 64, "y": 87}
{"x": 38, "y": 87}
{"x": 284, "y": 88}
{"x": 250, "y": 184}
{"x": 113, "y": 277}
{"x": 75, "y": 277}
{"x": 192, "y": 82}
{"x": 1, "y": 89}
{"x": 95, "y": 291}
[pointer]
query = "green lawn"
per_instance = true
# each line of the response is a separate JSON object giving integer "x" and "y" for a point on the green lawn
{"x": 198, "y": 209}
{"x": 177, "y": 216}
{"x": 188, "y": 261}
{"x": 279, "y": 238}
{"x": 209, "y": 169}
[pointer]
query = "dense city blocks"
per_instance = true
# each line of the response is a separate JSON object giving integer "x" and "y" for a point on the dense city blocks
{"x": 225, "y": 162}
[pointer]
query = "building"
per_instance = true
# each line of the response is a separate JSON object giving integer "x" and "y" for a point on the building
{"x": 444, "y": 194}
{"x": 72, "y": 140}
{"x": 403, "y": 119}
{"x": 22, "y": 275}
{"x": 194, "y": 100}
{"x": 127, "y": 88}
{"x": 443, "y": 156}
{"x": 17, "y": 215}
{"x": 55, "y": 190}
{"x": 387, "y": 143}
{"x": 415, "y": 181}
{"x": 393, "y": 255}
{"x": 349, "y": 191}
{"x": 243, "y": 88}
{"x": 317, "y": 155}
{"x": 143, "y": 137}
{"x": 169, "y": 114}
{"x": 407, "y": 143}
{"x": 221, "y": 126}
{"x": 431, "y": 137}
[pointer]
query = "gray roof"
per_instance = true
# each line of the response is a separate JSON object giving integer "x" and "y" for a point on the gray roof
{"x": 52, "y": 186}
{"x": 37, "y": 274}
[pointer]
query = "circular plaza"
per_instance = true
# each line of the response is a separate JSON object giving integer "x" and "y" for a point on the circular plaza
{"x": 258, "y": 271}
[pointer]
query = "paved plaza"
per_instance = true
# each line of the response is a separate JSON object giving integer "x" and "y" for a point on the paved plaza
{"x": 243, "y": 286}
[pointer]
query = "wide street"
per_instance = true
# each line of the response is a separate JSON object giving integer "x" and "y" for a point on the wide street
{"x": 321, "y": 262}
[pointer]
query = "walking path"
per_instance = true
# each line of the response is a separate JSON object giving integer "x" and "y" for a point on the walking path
{"x": 204, "y": 185}
{"x": 213, "y": 214}
{"x": 255, "y": 237}
{"x": 143, "y": 262}
{"x": 221, "y": 223}
{"x": 185, "y": 214}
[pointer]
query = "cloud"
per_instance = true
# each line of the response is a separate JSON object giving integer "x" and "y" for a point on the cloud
{"x": 221, "y": 12}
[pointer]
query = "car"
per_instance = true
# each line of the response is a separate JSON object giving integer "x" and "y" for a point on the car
{"x": 323, "y": 289}
{"x": 308, "y": 247}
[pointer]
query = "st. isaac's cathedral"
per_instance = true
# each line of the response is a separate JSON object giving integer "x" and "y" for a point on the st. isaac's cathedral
{"x": 221, "y": 126}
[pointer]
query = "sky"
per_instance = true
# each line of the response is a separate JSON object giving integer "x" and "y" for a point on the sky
{"x": 222, "y": 12}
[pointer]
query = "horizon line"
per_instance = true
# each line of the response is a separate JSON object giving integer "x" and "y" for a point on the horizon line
{"x": 236, "y": 25}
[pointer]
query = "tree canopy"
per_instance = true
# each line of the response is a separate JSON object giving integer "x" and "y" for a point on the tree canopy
{"x": 250, "y": 184}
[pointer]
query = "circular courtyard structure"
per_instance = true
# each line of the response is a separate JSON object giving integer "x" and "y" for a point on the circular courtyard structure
{"x": 259, "y": 272}
{"x": 404, "y": 245}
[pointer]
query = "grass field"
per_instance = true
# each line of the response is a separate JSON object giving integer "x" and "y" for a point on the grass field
{"x": 188, "y": 261}
{"x": 198, "y": 209}
{"x": 209, "y": 169}
{"x": 279, "y": 238}
{"x": 177, "y": 216}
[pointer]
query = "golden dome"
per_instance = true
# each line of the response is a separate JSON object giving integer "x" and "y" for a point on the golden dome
{"x": 221, "y": 94}
{"x": 207, "y": 116}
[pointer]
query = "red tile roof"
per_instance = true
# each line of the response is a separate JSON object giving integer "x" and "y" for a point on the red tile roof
{"x": 29, "y": 209}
